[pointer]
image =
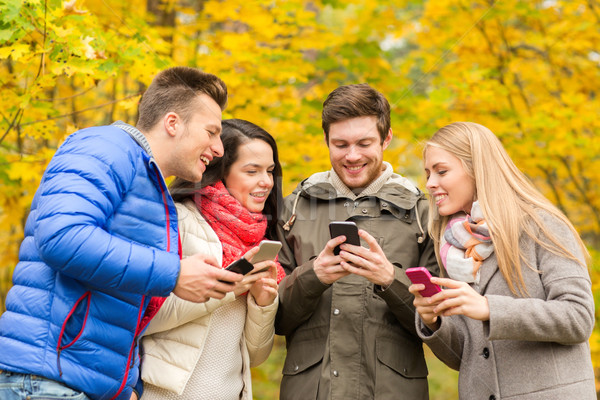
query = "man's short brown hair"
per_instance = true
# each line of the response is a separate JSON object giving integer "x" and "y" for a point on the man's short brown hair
{"x": 351, "y": 101}
{"x": 174, "y": 90}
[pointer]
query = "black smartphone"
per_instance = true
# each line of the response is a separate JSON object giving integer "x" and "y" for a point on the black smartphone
{"x": 240, "y": 266}
{"x": 346, "y": 228}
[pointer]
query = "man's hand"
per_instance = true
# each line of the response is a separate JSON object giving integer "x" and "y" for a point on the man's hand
{"x": 201, "y": 278}
{"x": 368, "y": 262}
{"x": 327, "y": 265}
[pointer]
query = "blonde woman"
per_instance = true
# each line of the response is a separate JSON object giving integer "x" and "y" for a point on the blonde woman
{"x": 517, "y": 309}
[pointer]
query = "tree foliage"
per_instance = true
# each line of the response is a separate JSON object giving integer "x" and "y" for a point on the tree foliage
{"x": 527, "y": 69}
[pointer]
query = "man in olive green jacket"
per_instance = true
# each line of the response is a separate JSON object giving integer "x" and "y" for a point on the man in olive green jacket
{"x": 349, "y": 319}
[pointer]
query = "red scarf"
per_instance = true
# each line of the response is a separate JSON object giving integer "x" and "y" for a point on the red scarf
{"x": 238, "y": 229}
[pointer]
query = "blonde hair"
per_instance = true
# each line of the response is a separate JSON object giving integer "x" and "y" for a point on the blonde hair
{"x": 509, "y": 202}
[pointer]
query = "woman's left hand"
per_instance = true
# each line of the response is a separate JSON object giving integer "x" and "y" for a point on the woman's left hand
{"x": 264, "y": 290}
{"x": 459, "y": 298}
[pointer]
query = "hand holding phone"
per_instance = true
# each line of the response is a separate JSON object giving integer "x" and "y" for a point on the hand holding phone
{"x": 346, "y": 228}
{"x": 422, "y": 275}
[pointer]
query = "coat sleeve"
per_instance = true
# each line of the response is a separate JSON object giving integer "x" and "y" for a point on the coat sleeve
{"x": 397, "y": 296}
{"x": 83, "y": 186}
{"x": 447, "y": 343}
{"x": 400, "y": 300}
{"x": 176, "y": 312}
{"x": 259, "y": 330}
{"x": 299, "y": 295}
{"x": 299, "y": 292}
{"x": 565, "y": 315}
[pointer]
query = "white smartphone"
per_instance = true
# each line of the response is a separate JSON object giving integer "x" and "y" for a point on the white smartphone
{"x": 268, "y": 250}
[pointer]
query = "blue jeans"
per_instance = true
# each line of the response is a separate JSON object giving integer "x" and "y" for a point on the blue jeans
{"x": 14, "y": 386}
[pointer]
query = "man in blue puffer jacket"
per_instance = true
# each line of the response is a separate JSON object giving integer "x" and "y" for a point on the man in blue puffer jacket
{"x": 101, "y": 245}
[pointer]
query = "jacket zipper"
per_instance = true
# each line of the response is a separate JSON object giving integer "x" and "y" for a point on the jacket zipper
{"x": 130, "y": 358}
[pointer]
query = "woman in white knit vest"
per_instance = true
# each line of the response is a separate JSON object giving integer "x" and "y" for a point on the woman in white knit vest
{"x": 518, "y": 310}
{"x": 205, "y": 351}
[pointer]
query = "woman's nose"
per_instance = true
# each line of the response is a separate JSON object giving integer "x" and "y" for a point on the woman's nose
{"x": 266, "y": 180}
{"x": 431, "y": 182}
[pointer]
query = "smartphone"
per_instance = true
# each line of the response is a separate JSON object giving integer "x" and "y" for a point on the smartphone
{"x": 268, "y": 250}
{"x": 346, "y": 228}
{"x": 240, "y": 266}
{"x": 421, "y": 275}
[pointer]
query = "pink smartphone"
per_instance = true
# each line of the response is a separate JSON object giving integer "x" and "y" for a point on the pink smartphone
{"x": 421, "y": 275}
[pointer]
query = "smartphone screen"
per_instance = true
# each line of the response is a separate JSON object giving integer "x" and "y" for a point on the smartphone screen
{"x": 346, "y": 228}
{"x": 240, "y": 266}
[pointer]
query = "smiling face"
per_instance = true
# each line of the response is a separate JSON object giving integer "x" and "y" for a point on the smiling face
{"x": 448, "y": 182}
{"x": 250, "y": 177}
{"x": 197, "y": 141}
{"x": 356, "y": 151}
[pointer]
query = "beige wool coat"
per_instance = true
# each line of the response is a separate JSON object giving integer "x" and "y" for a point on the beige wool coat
{"x": 175, "y": 337}
{"x": 532, "y": 348}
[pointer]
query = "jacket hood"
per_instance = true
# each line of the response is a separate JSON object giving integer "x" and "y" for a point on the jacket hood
{"x": 398, "y": 190}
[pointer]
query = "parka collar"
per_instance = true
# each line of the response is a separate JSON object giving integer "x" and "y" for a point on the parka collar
{"x": 398, "y": 190}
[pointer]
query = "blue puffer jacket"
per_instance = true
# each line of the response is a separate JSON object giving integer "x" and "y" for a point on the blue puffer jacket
{"x": 100, "y": 240}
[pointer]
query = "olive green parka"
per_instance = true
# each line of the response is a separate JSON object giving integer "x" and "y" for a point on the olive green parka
{"x": 352, "y": 340}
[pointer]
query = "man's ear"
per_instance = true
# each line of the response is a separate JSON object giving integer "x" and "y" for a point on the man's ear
{"x": 388, "y": 139}
{"x": 171, "y": 122}
{"x": 325, "y": 137}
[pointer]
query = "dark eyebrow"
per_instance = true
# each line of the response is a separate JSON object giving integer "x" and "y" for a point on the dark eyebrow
{"x": 254, "y": 165}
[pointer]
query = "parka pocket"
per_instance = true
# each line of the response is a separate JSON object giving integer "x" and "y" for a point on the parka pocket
{"x": 302, "y": 356}
{"x": 302, "y": 370}
{"x": 401, "y": 368}
{"x": 403, "y": 356}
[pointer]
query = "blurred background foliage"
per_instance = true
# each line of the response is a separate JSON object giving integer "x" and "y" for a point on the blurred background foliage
{"x": 527, "y": 69}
